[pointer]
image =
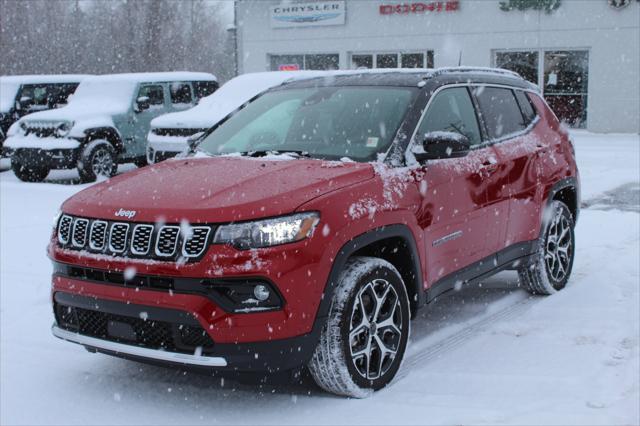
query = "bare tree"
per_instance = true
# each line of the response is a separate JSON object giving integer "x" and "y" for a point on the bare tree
{"x": 94, "y": 36}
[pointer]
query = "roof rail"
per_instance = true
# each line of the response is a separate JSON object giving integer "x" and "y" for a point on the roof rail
{"x": 500, "y": 71}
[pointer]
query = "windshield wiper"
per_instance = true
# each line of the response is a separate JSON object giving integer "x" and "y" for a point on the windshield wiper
{"x": 265, "y": 152}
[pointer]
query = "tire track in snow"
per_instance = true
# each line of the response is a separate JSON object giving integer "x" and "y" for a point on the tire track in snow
{"x": 461, "y": 337}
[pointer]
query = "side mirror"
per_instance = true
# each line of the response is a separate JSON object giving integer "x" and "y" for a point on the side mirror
{"x": 142, "y": 103}
{"x": 25, "y": 103}
{"x": 193, "y": 140}
{"x": 439, "y": 145}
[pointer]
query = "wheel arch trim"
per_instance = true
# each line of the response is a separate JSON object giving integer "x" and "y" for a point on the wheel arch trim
{"x": 362, "y": 241}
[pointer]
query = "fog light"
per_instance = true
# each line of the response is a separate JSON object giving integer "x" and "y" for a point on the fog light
{"x": 261, "y": 292}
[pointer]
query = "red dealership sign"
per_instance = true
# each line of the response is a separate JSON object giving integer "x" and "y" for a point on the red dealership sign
{"x": 289, "y": 67}
{"x": 419, "y": 7}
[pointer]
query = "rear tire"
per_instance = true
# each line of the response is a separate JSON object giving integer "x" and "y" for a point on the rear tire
{"x": 550, "y": 267}
{"x": 98, "y": 158}
{"x": 363, "y": 342}
{"x": 29, "y": 172}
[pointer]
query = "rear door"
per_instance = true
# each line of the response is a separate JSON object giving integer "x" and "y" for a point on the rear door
{"x": 454, "y": 214}
{"x": 510, "y": 121}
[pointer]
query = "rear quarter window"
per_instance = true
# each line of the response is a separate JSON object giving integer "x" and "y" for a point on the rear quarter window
{"x": 500, "y": 111}
{"x": 204, "y": 88}
{"x": 528, "y": 110}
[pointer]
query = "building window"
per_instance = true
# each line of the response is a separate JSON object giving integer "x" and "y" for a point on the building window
{"x": 562, "y": 74}
{"x": 305, "y": 62}
{"x": 392, "y": 60}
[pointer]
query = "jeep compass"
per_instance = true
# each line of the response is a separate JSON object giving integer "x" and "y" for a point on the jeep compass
{"x": 308, "y": 228}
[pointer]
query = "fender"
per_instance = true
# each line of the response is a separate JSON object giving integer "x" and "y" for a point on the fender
{"x": 109, "y": 133}
{"x": 569, "y": 182}
{"x": 361, "y": 241}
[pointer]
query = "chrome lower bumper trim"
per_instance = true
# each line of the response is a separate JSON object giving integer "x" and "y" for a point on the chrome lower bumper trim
{"x": 122, "y": 348}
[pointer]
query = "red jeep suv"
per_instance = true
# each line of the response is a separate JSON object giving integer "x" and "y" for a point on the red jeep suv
{"x": 308, "y": 227}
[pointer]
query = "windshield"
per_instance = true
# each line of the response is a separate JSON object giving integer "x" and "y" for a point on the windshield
{"x": 8, "y": 93}
{"x": 323, "y": 122}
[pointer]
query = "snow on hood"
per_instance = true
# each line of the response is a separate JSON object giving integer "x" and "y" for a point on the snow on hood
{"x": 214, "y": 190}
{"x": 230, "y": 97}
{"x": 93, "y": 97}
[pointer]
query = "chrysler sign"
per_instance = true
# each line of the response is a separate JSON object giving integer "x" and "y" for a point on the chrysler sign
{"x": 308, "y": 14}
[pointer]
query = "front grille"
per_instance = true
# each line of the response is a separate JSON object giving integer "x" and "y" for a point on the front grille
{"x": 98, "y": 235}
{"x": 80, "y": 232}
{"x": 152, "y": 334}
{"x": 177, "y": 132}
{"x": 118, "y": 237}
{"x": 64, "y": 229}
{"x": 195, "y": 241}
{"x": 141, "y": 239}
{"x": 166, "y": 242}
{"x": 41, "y": 131}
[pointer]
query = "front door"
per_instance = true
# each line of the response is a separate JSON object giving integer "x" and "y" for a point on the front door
{"x": 459, "y": 225}
{"x": 136, "y": 142}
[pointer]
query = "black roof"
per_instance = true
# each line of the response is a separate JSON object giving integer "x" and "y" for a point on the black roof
{"x": 412, "y": 78}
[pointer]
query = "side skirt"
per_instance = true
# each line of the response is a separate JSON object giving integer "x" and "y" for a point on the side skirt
{"x": 508, "y": 258}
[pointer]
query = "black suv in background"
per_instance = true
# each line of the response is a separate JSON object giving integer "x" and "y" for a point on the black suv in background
{"x": 23, "y": 94}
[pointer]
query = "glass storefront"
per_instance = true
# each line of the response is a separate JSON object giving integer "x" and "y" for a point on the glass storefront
{"x": 392, "y": 60}
{"x": 562, "y": 74}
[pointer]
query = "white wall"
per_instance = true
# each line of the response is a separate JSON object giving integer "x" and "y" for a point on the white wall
{"x": 479, "y": 27}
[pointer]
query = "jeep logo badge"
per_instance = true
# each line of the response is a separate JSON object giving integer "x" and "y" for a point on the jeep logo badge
{"x": 129, "y": 214}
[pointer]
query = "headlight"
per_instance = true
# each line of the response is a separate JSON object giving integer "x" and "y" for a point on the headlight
{"x": 268, "y": 232}
{"x": 64, "y": 129}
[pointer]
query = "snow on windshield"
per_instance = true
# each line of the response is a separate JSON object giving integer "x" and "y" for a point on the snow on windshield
{"x": 8, "y": 93}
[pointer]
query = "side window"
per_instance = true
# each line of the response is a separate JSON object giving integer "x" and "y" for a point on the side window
{"x": 204, "y": 88}
{"x": 452, "y": 111}
{"x": 155, "y": 93}
{"x": 180, "y": 93}
{"x": 528, "y": 111}
{"x": 60, "y": 93}
{"x": 500, "y": 111}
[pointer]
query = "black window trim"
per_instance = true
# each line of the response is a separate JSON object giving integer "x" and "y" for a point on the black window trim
{"x": 432, "y": 96}
{"x": 513, "y": 135}
{"x": 163, "y": 86}
{"x": 193, "y": 99}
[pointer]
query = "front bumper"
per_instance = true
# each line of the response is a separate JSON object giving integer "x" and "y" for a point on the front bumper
{"x": 136, "y": 351}
{"x": 168, "y": 336}
{"x": 51, "y": 158}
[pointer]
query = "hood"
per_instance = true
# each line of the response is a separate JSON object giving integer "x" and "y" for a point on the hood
{"x": 74, "y": 113}
{"x": 216, "y": 189}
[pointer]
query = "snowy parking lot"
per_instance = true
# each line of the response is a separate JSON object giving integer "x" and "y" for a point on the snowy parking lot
{"x": 491, "y": 354}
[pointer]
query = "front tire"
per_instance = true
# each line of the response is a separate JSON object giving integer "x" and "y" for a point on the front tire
{"x": 363, "y": 342}
{"x": 98, "y": 159}
{"x": 550, "y": 268}
{"x": 29, "y": 172}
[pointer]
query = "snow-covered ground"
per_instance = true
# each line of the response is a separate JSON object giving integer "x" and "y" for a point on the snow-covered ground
{"x": 486, "y": 355}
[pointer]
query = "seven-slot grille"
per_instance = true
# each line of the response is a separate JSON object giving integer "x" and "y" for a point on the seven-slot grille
{"x": 165, "y": 242}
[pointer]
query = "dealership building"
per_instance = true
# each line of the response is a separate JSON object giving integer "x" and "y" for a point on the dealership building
{"x": 583, "y": 54}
